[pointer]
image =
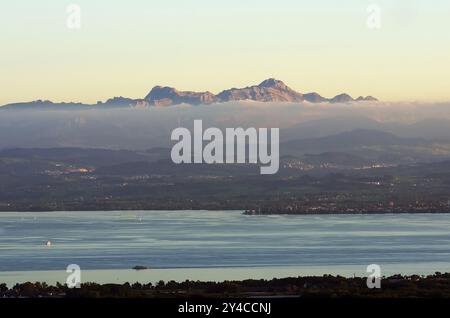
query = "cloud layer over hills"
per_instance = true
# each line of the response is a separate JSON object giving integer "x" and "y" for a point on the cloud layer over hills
{"x": 130, "y": 128}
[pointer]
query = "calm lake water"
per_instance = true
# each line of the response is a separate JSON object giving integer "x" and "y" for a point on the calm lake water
{"x": 217, "y": 245}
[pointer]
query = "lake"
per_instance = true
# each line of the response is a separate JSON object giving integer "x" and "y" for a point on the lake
{"x": 217, "y": 245}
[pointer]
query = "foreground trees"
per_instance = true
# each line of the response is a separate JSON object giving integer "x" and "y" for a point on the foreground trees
{"x": 327, "y": 286}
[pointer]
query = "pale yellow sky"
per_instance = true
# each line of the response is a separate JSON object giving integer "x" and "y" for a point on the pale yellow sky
{"x": 127, "y": 47}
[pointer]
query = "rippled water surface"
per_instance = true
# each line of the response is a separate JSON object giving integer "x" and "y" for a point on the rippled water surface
{"x": 223, "y": 240}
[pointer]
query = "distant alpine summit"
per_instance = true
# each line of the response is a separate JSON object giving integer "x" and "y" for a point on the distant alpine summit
{"x": 270, "y": 90}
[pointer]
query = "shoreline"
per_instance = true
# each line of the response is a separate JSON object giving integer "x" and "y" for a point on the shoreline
{"x": 217, "y": 274}
{"x": 243, "y": 211}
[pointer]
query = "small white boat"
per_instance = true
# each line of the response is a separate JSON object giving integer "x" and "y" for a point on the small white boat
{"x": 48, "y": 243}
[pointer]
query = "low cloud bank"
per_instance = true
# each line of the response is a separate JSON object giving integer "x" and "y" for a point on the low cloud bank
{"x": 146, "y": 128}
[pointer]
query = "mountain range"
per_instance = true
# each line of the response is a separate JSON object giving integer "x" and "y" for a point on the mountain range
{"x": 270, "y": 90}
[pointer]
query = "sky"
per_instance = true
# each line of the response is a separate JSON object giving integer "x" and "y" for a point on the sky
{"x": 124, "y": 48}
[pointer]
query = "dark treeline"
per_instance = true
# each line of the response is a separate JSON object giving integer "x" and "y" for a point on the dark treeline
{"x": 327, "y": 286}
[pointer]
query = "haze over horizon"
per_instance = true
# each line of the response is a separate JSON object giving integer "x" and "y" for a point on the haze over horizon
{"x": 125, "y": 50}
